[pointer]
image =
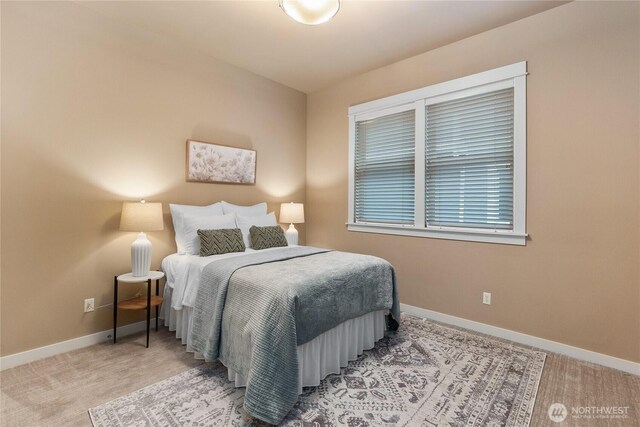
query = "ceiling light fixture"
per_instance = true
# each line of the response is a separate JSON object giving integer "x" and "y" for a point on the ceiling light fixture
{"x": 310, "y": 12}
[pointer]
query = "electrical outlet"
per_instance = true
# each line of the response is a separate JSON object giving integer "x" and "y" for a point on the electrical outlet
{"x": 89, "y": 305}
{"x": 486, "y": 298}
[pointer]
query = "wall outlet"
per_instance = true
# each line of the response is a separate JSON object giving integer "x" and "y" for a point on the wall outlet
{"x": 486, "y": 298}
{"x": 89, "y": 305}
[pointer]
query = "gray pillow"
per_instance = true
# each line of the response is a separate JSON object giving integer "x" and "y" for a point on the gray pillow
{"x": 223, "y": 241}
{"x": 267, "y": 237}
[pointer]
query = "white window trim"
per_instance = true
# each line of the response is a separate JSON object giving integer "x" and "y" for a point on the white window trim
{"x": 504, "y": 77}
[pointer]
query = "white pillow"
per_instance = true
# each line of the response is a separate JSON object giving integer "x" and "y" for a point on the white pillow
{"x": 245, "y": 223}
{"x": 255, "y": 210}
{"x": 178, "y": 211}
{"x": 193, "y": 223}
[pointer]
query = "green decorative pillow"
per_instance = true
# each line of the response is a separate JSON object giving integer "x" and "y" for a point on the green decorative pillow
{"x": 216, "y": 242}
{"x": 267, "y": 237}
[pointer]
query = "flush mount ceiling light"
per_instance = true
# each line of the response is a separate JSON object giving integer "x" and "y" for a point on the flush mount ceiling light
{"x": 310, "y": 12}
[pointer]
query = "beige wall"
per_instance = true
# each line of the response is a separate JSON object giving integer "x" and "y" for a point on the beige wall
{"x": 95, "y": 113}
{"x": 577, "y": 280}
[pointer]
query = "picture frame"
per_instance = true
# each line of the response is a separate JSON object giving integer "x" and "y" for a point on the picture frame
{"x": 216, "y": 163}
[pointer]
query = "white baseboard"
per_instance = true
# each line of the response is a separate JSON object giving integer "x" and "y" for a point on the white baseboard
{"x": 530, "y": 340}
{"x": 29, "y": 356}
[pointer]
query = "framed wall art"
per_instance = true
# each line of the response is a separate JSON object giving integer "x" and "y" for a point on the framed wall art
{"x": 214, "y": 163}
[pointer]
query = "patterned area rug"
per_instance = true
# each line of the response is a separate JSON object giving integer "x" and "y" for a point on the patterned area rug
{"x": 425, "y": 374}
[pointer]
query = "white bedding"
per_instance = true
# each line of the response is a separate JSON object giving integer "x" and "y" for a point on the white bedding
{"x": 183, "y": 275}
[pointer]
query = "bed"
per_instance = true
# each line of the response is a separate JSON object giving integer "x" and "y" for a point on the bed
{"x": 279, "y": 319}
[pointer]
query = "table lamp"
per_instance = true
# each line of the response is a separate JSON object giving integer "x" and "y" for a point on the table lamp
{"x": 141, "y": 217}
{"x": 292, "y": 213}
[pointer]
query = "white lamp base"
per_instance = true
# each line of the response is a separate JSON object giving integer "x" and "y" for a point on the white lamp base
{"x": 291, "y": 235}
{"x": 140, "y": 256}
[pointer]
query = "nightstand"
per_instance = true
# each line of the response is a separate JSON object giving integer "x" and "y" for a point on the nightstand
{"x": 137, "y": 303}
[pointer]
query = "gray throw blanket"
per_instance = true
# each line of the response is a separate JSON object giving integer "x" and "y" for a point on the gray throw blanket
{"x": 252, "y": 312}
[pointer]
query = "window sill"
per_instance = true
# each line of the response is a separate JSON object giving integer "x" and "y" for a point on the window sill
{"x": 469, "y": 235}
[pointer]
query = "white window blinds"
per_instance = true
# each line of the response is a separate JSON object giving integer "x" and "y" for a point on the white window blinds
{"x": 385, "y": 169}
{"x": 469, "y": 162}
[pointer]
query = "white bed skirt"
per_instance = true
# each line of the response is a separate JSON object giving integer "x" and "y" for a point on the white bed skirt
{"x": 177, "y": 320}
{"x": 328, "y": 352}
{"x": 321, "y": 356}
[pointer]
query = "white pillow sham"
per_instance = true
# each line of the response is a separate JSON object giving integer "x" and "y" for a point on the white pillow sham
{"x": 255, "y": 210}
{"x": 245, "y": 222}
{"x": 177, "y": 213}
{"x": 193, "y": 223}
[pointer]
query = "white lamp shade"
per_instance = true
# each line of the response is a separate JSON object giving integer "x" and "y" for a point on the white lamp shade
{"x": 141, "y": 216}
{"x": 310, "y": 12}
{"x": 292, "y": 213}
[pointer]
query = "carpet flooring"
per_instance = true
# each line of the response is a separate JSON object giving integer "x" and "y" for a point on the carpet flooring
{"x": 57, "y": 391}
{"x": 423, "y": 374}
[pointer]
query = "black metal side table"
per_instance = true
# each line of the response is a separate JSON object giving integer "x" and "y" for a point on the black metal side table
{"x": 137, "y": 303}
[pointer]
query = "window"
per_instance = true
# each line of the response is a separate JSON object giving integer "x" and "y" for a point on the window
{"x": 385, "y": 169}
{"x": 445, "y": 161}
{"x": 469, "y": 161}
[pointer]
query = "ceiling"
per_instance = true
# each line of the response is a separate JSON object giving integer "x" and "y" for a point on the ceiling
{"x": 364, "y": 35}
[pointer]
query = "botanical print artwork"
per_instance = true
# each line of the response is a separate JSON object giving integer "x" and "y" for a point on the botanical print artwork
{"x": 218, "y": 163}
